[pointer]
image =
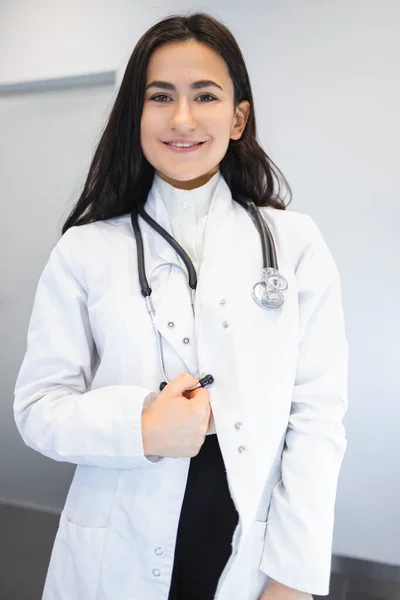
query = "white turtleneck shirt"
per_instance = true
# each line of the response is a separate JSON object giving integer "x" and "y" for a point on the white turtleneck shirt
{"x": 188, "y": 211}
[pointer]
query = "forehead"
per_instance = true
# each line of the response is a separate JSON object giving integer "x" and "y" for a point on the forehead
{"x": 187, "y": 61}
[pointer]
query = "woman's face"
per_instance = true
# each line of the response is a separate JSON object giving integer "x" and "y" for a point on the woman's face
{"x": 175, "y": 109}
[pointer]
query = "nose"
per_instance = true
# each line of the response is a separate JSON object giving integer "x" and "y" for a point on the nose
{"x": 182, "y": 117}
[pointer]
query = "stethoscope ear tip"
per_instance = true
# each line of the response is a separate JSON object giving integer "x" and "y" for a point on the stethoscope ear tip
{"x": 203, "y": 382}
{"x": 206, "y": 380}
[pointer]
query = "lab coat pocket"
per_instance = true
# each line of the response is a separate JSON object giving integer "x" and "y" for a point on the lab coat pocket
{"x": 75, "y": 562}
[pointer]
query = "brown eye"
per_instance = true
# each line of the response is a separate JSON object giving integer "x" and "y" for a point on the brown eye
{"x": 159, "y": 96}
{"x": 207, "y": 96}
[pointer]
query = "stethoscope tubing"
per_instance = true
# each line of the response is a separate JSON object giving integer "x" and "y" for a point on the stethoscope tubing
{"x": 176, "y": 246}
{"x": 267, "y": 243}
{"x": 272, "y": 296}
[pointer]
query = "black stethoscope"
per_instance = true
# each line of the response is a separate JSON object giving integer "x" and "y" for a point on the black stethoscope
{"x": 267, "y": 293}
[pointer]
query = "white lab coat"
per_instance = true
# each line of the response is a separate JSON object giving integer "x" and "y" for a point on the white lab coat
{"x": 279, "y": 396}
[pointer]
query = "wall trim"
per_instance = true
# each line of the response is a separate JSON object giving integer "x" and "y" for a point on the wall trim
{"x": 355, "y": 568}
{"x": 58, "y": 83}
{"x": 30, "y": 506}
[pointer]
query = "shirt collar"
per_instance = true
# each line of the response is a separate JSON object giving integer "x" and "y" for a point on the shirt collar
{"x": 178, "y": 202}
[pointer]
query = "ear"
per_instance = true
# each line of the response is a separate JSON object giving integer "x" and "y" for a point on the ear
{"x": 239, "y": 123}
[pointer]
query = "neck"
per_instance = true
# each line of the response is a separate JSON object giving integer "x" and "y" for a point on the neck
{"x": 191, "y": 184}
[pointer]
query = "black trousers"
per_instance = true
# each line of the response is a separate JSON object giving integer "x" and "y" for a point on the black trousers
{"x": 207, "y": 521}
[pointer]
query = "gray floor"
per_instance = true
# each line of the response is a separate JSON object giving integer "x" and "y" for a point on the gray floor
{"x": 26, "y": 539}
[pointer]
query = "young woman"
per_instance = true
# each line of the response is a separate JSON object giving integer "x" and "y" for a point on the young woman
{"x": 223, "y": 489}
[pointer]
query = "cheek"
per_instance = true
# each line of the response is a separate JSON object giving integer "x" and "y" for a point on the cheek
{"x": 219, "y": 127}
{"x": 148, "y": 139}
{"x": 148, "y": 126}
{"x": 220, "y": 123}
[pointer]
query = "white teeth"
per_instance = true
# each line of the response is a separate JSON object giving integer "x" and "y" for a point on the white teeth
{"x": 182, "y": 145}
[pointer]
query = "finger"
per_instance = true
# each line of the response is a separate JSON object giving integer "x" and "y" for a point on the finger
{"x": 200, "y": 395}
{"x": 180, "y": 384}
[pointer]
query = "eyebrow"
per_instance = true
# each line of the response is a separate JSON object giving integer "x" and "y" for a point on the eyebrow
{"x": 197, "y": 85}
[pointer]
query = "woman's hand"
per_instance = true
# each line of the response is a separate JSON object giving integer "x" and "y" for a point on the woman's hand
{"x": 176, "y": 423}
{"x": 278, "y": 591}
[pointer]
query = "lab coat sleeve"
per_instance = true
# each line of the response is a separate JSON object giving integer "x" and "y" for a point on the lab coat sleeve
{"x": 298, "y": 542}
{"x": 54, "y": 412}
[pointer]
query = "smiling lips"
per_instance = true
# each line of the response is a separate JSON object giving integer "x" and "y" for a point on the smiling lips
{"x": 183, "y": 146}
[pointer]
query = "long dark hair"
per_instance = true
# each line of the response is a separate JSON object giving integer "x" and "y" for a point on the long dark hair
{"x": 120, "y": 177}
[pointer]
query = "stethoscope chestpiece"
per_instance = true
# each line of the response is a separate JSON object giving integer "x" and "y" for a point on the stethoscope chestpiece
{"x": 274, "y": 279}
{"x": 269, "y": 293}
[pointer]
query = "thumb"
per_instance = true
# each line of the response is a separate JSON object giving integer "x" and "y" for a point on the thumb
{"x": 179, "y": 385}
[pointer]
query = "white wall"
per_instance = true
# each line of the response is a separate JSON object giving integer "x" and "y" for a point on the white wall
{"x": 41, "y": 39}
{"x": 46, "y": 143}
{"x": 326, "y": 84}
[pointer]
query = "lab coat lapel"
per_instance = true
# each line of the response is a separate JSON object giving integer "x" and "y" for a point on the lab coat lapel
{"x": 261, "y": 340}
{"x": 174, "y": 317}
{"x": 217, "y": 351}
{"x": 232, "y": 265}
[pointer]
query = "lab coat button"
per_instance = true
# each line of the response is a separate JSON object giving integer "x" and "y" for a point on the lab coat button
{"x": 186, "y": 341}
{"x": 156, "y": 572}
{"x": 171, "y": 324}
{"x": 225, "y": 324}
{"x": 239, "y": 425}
{"x": 158, "y": 551}
{"x": 242, "y": 449}
{"x": 222, "y": 302}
